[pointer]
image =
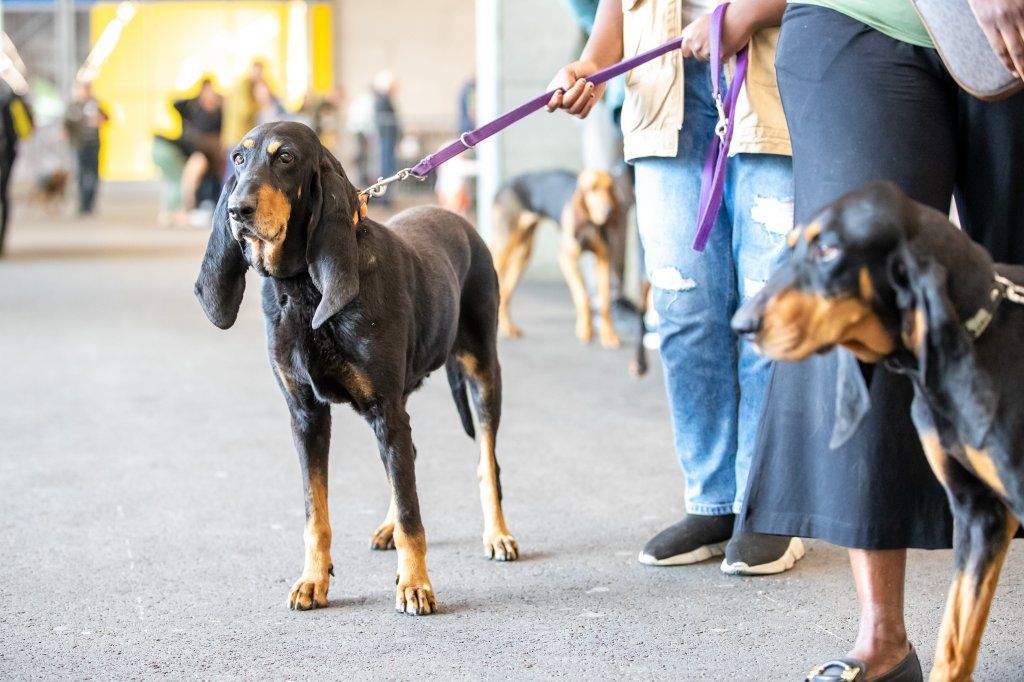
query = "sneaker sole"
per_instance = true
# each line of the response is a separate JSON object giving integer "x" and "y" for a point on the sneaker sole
{"x": 793, "y": 553}
{"x": 686, "y": 558}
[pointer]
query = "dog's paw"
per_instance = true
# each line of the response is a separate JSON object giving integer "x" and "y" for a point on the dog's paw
{"x": 309, "y": 592}
{"x": 609, "y": 339}
{"x": 384, "y": 538}
{"x": 510, "y": 331}
{"x": 415, "y": 597}
{"x": 501, "y": 546}
{"x": 584, "y": 332}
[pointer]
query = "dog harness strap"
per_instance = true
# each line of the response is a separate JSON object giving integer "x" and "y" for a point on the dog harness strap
{"x": 712, "y": 181}
{"x": 470, "y": 139}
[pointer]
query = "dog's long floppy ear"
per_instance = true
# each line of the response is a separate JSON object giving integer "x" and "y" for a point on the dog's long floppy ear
{"x": 933, "y": 331}
{"x": 332, "y": 252}
{"x": 221, "y": 280}
{"x": 852, "y": 399}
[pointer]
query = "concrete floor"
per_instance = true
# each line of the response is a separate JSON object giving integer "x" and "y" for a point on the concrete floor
{"x": 151, "y": 510}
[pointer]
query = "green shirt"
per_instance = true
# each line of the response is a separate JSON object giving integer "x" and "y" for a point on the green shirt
{"x": 895, "y": 18}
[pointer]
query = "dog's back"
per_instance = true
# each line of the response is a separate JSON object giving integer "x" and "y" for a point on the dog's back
{"x": 544, "y": 193}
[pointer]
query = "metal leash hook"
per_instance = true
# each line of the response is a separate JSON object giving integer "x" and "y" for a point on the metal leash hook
{"x": 378, "y": 188}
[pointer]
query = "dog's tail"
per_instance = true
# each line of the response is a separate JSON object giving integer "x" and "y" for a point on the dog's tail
{"x": 457, "y": 380}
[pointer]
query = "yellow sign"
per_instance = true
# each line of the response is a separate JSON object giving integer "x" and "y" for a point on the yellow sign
{"x": 167, "y": 48}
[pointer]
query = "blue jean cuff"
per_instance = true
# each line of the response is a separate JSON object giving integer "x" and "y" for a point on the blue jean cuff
{"x": 709, "y": 509}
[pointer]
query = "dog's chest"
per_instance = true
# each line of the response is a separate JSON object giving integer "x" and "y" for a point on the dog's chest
{"x": 306, "y": 360}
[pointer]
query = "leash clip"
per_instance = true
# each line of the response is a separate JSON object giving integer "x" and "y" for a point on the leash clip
{"x": 723, "y": 121}
{"x": 378, "y": 188}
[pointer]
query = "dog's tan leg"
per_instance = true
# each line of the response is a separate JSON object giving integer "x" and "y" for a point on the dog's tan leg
{"x": 983, "y": 528}
{"x": 384, "y": 537}
{"x": 603, "y": 272}
{"x": 485, "y": 376}
{"x": 510, "y": 264}
{"x": 498, "y": 540}
{"x": 568, "y": 260}
{"x": 969, "y": 600}
{"x": 413, "y": 592}
{"x": 310, "y": 591}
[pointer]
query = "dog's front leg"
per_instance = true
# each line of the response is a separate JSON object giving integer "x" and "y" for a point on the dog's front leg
{"x": 603, "y": 273}
{"x": 568, "y": 260}
{"x": 983, "y": 528}
{"x": 414, "y": 593}
{"x": 311, "y": 429}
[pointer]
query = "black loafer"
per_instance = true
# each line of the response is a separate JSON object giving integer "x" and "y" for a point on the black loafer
{"x": 848, "y": 669}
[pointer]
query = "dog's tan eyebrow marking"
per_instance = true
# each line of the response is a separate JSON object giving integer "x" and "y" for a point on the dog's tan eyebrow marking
{"x": 793, "y": 237}
{"x": 812, "y": 231}
{"x": 248, "y": 143}
{"x": 273, "y": 146}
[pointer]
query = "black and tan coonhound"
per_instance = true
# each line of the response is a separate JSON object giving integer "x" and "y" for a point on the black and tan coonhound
{"x": 894, "y": 281}
{"x": 358, "y": 312}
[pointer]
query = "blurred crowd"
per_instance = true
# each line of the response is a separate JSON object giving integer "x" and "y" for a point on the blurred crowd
{"x": 365, "y": 130}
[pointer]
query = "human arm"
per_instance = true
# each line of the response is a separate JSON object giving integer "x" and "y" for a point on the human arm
{"x": 603, "y": 49}
{"x": 741, "y": 20}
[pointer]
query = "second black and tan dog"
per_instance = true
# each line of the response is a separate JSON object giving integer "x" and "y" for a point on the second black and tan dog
{"x": 592, "y": 219}
{"x": 358, "y": 312}
{"x": 893, "y": 280}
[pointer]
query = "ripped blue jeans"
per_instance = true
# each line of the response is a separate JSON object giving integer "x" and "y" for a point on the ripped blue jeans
{"x": 715, "y": 382}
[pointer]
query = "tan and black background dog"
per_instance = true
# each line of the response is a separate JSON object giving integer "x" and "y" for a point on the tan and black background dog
{"x": 591, "y": 214}
{"x": 359, "y": 312}
{"x": 895, "y": 281}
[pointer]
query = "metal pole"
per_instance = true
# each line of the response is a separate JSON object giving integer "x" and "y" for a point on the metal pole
{"x": 65, "y": 37}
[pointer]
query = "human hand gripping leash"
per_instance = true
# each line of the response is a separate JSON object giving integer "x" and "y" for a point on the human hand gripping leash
{"x": 713, "y": 178}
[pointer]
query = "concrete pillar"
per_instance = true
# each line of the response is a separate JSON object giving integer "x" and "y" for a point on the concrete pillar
{"x": 520, "y": 46}
{"x": 65, "y": 37}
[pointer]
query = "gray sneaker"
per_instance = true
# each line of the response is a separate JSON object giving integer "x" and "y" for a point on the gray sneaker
{"x": 694, "y": 539}
{"x": 757, "y": 554}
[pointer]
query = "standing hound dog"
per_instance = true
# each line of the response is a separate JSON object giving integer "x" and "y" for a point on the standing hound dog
{"x": 592, "y": 219}
{"x": 359, "y": 313}
{"x": 894, "y": 281}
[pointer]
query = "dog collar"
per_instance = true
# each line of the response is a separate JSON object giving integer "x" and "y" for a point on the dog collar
{"x": 1002, "y": 289}
{"x": 360, "y": 212}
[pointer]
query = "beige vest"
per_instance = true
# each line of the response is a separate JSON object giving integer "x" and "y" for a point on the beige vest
{"x": 653, "y": 111}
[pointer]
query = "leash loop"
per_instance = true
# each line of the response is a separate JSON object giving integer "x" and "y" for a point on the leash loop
{"x": 462, "y": 139}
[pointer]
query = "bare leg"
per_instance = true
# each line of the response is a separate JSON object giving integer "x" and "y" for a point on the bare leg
{"x": 882, "y": 639}
{"x": 191, "y": 176}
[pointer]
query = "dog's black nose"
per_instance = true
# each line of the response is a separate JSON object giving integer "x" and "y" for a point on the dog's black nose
{"x": 242, "y": 209}
{"x": 746, "y": 321}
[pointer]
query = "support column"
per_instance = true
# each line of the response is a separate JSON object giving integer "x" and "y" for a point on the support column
{"x": 520, "y": 45}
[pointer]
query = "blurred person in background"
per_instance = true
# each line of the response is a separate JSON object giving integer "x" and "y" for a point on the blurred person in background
{"x": 201, "y": 127}
{"x": 386, "y": 126}
{"x": 668, "y": 121}
{"x": 359, "y": 123}
{"x": 240, "y": 107}
{"x": 16, "y": 124}
{"x": 82, "y": 121}
{"x": 268, "y": 107}
{"x": 170, "y": 160}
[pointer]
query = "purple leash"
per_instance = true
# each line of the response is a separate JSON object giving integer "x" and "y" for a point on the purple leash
{"x": 712, "y": 181}
{"x": 713, "y": 177}
{"x": 472, "y": 138}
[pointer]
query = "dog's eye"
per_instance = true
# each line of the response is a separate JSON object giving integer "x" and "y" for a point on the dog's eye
{"x": 286, "y": 157}
{"x": 826, "y": 253}
{"x": 239, "y": 159}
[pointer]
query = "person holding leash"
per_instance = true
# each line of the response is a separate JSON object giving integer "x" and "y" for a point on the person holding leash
{"x": 715, "y": 383}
